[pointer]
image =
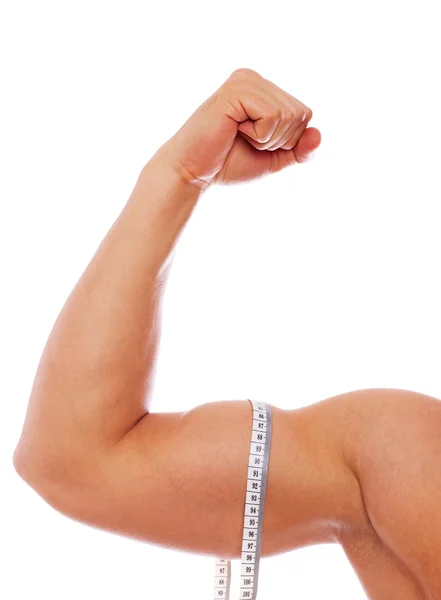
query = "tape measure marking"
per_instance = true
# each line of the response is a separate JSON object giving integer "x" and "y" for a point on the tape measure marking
{"x": 254, "y": 511}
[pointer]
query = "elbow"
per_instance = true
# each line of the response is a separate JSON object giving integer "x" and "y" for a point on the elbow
{"x": 20, "y": 464}
{"x": 62, "y": 484}
{"x": 28, "y": 463}
{"x": 33, "y": 474}
{"x": 41, "y": 478}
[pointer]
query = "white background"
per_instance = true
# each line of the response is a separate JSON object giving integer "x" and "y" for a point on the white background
{"x": 321, "y": 279}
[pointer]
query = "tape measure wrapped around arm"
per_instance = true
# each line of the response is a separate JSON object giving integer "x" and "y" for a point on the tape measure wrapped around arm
{"x": 254, "y": 511}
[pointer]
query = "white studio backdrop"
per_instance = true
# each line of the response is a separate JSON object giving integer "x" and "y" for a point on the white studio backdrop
{"x": 321, "y": 279}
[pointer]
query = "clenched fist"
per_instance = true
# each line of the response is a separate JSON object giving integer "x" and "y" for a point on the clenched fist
{"x": 247, "y": 129}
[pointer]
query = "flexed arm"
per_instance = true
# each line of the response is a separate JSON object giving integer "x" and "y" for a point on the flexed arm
{"x": 338, "y": 470}
{"x": 94, "y": 379}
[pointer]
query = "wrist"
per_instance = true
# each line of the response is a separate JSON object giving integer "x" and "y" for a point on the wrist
{"x": 166, "y": 158}
{"x": 160, "y": 184}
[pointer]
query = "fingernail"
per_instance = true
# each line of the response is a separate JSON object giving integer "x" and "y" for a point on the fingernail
{"x": 309, "y": 156}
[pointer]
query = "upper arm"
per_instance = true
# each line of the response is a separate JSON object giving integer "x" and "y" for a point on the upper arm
{"x": 179, "y": 480}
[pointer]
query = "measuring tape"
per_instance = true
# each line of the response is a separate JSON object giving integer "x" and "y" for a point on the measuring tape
{"x": 254, "y": 506}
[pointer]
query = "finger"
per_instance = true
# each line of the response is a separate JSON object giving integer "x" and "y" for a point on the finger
{"x": 258, "y": 110}
{"x": 296, "y": 113}
{"x": 257, "y": 115}
{"x": 299, "y": 122}
{"x": 308, "y": 143}
{"x": 260, "y": 131}
{"x": 269, "y": 115}
{"x": 286, "y": 121}
{"x": 302, "y": 152}
{"x": 286, "y": 126}
{"x": 292, "y": 124}
{"x": 289, "y": 143}
{"x": 294, "y": 139}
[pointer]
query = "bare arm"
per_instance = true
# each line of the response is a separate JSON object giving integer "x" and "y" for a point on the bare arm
{"x": 94, "y": 380}
{"x": 359, "y": 469}
{"x": 339, "y": 470}
{"x": 179, "y": 480}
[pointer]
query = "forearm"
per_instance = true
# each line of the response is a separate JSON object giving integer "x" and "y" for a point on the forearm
{"x": 94, "y": 379}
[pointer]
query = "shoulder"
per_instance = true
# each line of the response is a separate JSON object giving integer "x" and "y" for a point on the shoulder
{"x": 395, "y": 451}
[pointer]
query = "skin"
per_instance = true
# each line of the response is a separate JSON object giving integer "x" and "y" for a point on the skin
{"x": 359, "y": 469}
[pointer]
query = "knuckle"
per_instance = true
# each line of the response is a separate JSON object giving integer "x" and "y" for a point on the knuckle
{"x": 288, "y": 115}
{"x": 276, "y": 113}
{"x": 244, "y": 71}
{"x": 227, "y": 86}
{"x": 300, "y": 115}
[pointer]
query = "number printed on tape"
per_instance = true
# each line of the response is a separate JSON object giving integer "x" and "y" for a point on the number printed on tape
{"x": 254, "y": 504}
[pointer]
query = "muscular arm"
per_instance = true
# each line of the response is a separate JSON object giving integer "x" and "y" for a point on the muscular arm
{"x": 179, "y": 480}
{"x": 339, "y": 470}
{"x": 94, "y": 380}
{"x": 89, "y": 445}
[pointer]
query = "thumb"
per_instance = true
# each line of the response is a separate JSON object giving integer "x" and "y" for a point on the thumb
{"x": 302, "y": 151}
